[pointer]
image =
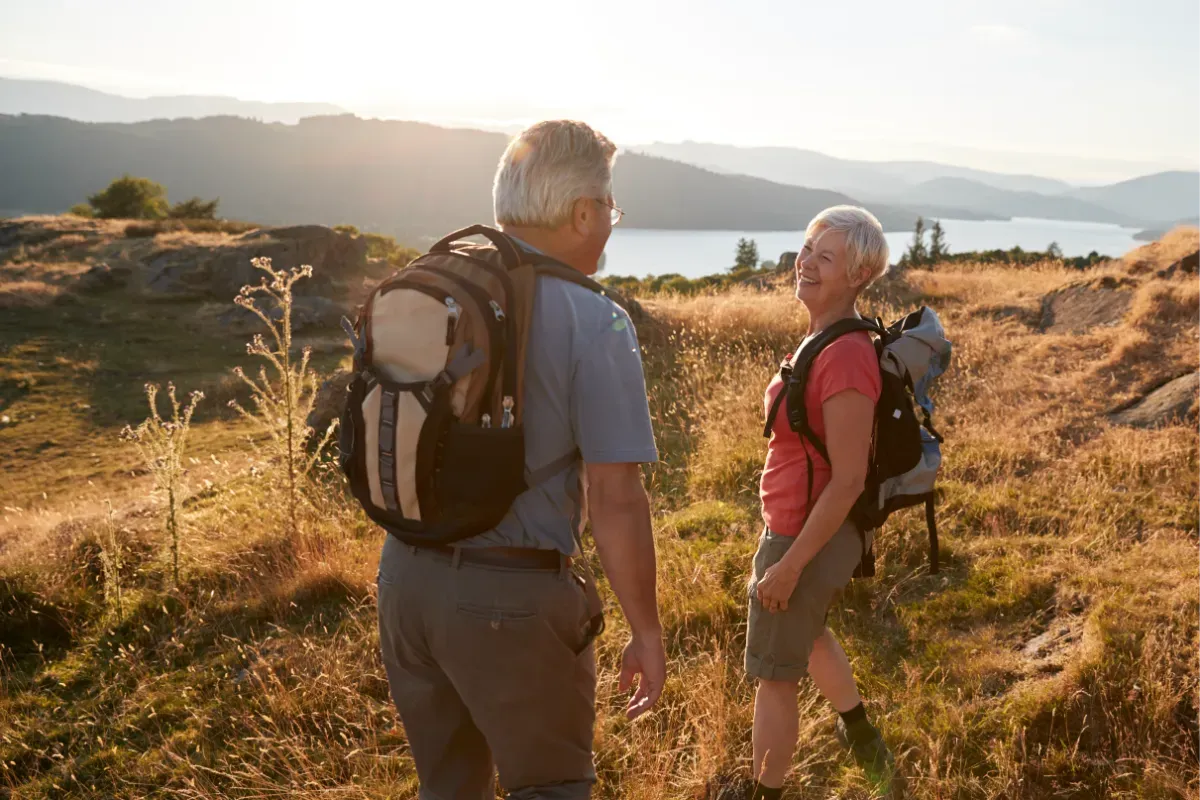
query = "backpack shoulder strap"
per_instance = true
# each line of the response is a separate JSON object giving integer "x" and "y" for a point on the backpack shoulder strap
{"x": 510, "y": 253}
{"x": 785, "y": 375}
{"x": 796, "y": 378}
{"x": 552, "y": 267}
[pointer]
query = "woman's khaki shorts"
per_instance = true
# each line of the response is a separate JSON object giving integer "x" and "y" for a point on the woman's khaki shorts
{"x": 778, "y": 644}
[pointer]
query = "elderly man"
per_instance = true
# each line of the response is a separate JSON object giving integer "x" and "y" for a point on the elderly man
{"x": 520, "y": 701}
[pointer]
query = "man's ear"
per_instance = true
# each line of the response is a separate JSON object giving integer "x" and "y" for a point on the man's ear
{"x": 582, "y": 211}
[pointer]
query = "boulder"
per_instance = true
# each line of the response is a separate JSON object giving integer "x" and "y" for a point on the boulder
{"x": 1185, "y": 266}
{"x": 102, "y": 278}
{"x": 330, "y": 400}
{"x": 220, "y": 271}
{"x": 307, "y": 312}
{"x": 1080, "y": 307}
{"x": 1168, "y": 403}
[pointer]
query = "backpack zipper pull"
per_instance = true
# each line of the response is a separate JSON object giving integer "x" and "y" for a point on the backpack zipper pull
{"x": 453, "y": 312}
{"x": 507, "y": 421}
{"x": 497, "y": 310}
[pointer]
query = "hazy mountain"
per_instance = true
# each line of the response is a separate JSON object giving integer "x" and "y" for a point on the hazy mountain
{"x": 960, "y": 192}
{"x": 1154, "y": 234}
{"x": 408, "y": 179}
{"x": 867, "y": 179}
{"x": 1160, "y": 197}
{"x": 88, "y": 105}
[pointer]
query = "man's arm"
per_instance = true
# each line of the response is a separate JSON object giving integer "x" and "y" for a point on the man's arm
{"x": 620, "y": 515}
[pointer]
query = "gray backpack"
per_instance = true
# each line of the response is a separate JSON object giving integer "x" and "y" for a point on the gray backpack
{"x": 906, "y": 452}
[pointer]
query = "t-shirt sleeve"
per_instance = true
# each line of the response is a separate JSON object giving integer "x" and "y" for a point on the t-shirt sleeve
{"x": 610, "y": 415}
{"x": 849, "y": 363}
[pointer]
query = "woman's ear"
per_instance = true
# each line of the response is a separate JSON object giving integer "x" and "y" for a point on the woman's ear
{"x": 859, "y": 279}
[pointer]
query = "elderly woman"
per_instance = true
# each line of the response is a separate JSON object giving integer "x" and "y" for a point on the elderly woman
{"x": 809, "y": 550}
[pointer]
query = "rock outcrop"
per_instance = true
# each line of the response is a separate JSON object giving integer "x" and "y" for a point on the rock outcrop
{"x": 1083, "y": 306}
{"x": 330, "y": 400}
{"x": 307, "y": 312}
{"x": 1168, "y": 403}
{"x": 220, "y": 271}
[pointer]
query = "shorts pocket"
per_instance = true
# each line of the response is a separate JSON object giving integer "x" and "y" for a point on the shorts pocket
{"x": 498, "y": 617}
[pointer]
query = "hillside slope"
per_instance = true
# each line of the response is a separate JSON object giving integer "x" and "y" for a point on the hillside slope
{"x": 1053, "y": 656}
{"x": 405, "y": 179}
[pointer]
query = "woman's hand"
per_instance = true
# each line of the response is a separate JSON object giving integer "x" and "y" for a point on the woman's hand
{"x": 777, "y": 585}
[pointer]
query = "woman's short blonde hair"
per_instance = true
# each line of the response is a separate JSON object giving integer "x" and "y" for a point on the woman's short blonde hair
{"x": 547, "y": 168}
{"x": 866, "y": 246}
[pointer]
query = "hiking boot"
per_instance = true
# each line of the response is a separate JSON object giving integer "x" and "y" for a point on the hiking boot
{"x": 865, "y": 743}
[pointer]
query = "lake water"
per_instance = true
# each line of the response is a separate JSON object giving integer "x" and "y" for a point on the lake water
{"x": 642, "y": 252}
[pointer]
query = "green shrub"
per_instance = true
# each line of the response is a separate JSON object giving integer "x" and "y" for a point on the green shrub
{"x": 130, "y": 198}
{"x": 194, "y": 209}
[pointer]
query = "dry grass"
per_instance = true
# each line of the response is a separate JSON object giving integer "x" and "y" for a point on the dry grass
{"x": 1164, "y": 252}
{"x": 27, "y": 294}
{"x": 1055, "y": 656}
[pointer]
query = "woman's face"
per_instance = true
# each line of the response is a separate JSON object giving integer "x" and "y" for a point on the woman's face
{"x": 821, "y": 278}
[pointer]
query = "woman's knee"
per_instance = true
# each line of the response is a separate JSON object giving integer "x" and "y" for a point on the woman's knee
{"x": 779, "y": 688}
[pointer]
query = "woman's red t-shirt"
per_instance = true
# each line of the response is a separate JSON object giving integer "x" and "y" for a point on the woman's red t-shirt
{"x": 850, "y": 362}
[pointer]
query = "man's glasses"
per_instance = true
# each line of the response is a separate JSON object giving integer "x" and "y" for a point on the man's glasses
{"x": 615, "y": 213}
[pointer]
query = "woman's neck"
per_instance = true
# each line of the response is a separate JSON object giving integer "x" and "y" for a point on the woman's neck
{"x": 821, "y": 320}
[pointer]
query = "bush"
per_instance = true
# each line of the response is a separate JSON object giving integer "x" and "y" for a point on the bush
{"x": 380, "y": 246}
{"x": 130, "y": 198}
{"x": 82, "y": 210}
{"x": 194, "y": 209}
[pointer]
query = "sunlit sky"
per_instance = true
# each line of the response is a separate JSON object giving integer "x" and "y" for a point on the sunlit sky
{"x": 1049, "y": 86}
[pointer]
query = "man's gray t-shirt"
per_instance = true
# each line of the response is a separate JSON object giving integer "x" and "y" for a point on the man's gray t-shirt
{"x": 585, "y": 391}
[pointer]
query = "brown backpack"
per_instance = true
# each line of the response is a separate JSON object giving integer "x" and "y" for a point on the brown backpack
{"x": 432, "y": 437}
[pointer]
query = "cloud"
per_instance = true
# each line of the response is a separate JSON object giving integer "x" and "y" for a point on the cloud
{"x": 1001, "y": 33}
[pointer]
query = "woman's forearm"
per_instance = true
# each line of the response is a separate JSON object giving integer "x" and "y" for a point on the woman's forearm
{"x": 827, "y": 515}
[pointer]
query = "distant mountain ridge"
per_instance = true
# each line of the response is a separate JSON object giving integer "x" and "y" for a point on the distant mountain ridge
{"x": 811, "y": 168}
{"x": 407, "y": 179}
{"x": 1160, "y": 197}
{"x": 55, "y": 99}
{"x": 984, "y": 199}
{"x": 1148, "y": 200}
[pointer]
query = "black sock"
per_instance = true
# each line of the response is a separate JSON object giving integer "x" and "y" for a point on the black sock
{"x": 765, "y": 793}
{"x": 856, "y": 714}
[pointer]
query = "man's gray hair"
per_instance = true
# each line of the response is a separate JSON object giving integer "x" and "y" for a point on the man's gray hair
{"x": 866, "y": 246}
{"x": 546, "y": 169}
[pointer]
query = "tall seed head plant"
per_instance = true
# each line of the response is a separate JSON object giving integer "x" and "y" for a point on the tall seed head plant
{"x": 282, "y": 398}
{"x": 112, "y": 559}
{"x": 162, "y": 443}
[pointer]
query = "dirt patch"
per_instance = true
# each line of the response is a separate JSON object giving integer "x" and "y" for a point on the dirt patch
{"x": 1171, "y": 402}
{"x": 1049, "y": 652}
{"x": 1080, "y": 307}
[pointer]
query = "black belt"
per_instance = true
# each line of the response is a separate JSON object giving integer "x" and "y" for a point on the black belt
{"x": 511, "y": 557}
